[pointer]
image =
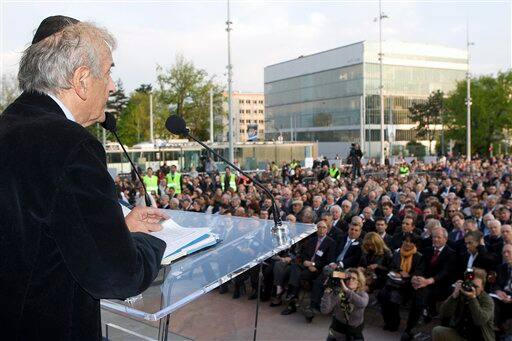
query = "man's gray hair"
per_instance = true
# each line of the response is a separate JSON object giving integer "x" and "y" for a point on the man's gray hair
{"x": 48, "y": 66}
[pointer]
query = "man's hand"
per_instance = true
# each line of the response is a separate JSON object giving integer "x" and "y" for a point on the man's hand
{"x": 307, "y": 263}
{"x": 419, "y": 282}
{"x": 469, "y": 294}
{"x": 373, "y": 266}
{"x": 145, "y": 219}
{"x": 503, "y": 296}
{"x": 456, "y": 290}
{"x": 312, "y": 268}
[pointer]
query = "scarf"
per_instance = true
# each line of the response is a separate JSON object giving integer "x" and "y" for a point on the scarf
{"x": 406, "y": 258}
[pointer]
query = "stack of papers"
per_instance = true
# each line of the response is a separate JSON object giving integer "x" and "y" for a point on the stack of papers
{"x": 182, "y": 241}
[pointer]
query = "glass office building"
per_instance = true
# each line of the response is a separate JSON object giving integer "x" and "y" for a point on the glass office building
{"x": 326, "y": 96}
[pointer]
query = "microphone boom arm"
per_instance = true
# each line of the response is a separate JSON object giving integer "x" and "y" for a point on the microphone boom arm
{"x": 275, "y": 210}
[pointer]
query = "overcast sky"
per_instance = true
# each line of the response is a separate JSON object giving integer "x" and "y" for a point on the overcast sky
{"x": 264, "y": 32}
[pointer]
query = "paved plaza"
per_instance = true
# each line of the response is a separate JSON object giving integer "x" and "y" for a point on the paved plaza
{"x": 219, "y": 317}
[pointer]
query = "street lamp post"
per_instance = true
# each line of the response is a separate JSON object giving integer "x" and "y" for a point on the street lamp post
{"x": 230, "y": 81}
{"x": 381, "y": 86}
{"x": 468, "y": 102}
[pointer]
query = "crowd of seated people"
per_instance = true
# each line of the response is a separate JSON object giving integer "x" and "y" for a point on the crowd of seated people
{"x": 412, "y": 236}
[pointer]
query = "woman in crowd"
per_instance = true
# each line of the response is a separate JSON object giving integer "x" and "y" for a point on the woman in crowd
{"x": 375, "y": 261}
{"x": 347, "y": 303}
{"x": 397, "y": 290}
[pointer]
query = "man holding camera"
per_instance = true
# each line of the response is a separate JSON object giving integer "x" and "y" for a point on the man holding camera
{"x": 468, "y": 314}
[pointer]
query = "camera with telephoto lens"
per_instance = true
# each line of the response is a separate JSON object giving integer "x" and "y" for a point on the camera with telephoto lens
{"x": 467, "y": 283}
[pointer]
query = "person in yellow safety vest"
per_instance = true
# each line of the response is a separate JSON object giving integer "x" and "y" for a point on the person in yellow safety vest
{"x": 151, "y": 181}
{"x": 404, "y": 169}
{"x": 334, "y": 172}
{"x": 228, "y": 179}
{"x": 293, "y": 165}
{"x": 174, "y": 180}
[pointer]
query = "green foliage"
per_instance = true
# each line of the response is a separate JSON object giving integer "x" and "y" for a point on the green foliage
{"x": 133, "y": 125}
{"x": 9, "y": 91}
{"x": 415, "y": 148}
{"x": 491, "y": 111}
{"x": 184, "y": 86}
{"x": 189, "y": 89}
{"x": 427, "y": 115}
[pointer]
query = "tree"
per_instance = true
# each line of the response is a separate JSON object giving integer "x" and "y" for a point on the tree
{"x": 117, "y": 100}
{"x": 8, "y": 91}
{"x": 134, "y": 121}
{"x": 188, "y": 88}
{"x": 427, "y": 115}
{"x": 491, "y": 111}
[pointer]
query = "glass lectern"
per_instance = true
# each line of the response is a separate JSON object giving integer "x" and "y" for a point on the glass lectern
{"x": 244, "y": 243}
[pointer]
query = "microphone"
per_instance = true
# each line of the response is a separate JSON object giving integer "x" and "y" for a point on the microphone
{"x": 110, "y": 125}
{"x": 177, "y": 126}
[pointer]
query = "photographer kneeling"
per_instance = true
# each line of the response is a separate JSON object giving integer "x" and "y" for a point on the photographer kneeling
{"x": 468, "y": 314}
{"x": 348, "y": 299}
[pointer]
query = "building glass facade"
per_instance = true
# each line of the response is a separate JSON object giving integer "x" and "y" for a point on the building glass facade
{"x": 318, "y": 106}
{"x": 306, "y": 101}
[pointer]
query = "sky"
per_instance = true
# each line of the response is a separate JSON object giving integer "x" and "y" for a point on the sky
{"x": 152, "y": 33}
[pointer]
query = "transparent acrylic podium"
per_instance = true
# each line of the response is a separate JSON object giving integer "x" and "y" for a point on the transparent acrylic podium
{"x": 244, "y": 243}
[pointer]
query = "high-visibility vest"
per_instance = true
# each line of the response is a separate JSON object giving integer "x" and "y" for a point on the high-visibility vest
{"x": 232, "y": 181}
{"x": 334, "y": 173}
{"x": 151, "y": 183}
{"x": 293, "y": 165}
{"x": 404, "y": 170}
{"x": 174, "y": 181}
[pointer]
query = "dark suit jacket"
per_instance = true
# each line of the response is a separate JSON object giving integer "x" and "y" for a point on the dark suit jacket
{"x": 443, "y": 269}
{"x": 394, "y": 225}
{"x": 64, "y": 243}
{"x": 494, "y": 247}
{"x": 503, "y": 274}
{"x": 483, "y": 261}
{"x": 353, "y": 255}
{"x": 327, "y": 250}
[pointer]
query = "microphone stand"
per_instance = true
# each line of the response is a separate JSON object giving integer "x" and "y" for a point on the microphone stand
{"x": 275, "y": 210}
{"x": 146, "y": 195}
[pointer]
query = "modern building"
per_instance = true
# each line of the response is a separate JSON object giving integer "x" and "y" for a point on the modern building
{"x": 326, "y": 96}
{"x": 248, "y": 117}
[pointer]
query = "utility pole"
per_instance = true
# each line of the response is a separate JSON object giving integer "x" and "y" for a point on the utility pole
{"x": 230, "y": 81}
{"x": 151, "y": 131}
{"x": 211, "y": 115}
{"x": 468, "y": 100}
{"x": 381, "y": 86}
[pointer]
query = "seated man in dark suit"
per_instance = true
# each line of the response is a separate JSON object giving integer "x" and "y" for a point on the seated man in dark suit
{"x": 408, "y": 226}
{"x": 475, "y": 255}
{"x": 494, "y": 242}
{"x": 348, "y": 255}
{"x": 502, "y": 288}
{"x": 317, "y": 253}
{"x": 332, "y": 231}
{"x": 392, "y": 220}
{"x": 380, "y": 228}
{"x": 435, "y": 284}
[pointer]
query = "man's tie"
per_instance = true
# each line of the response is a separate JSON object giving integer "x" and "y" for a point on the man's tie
{"x": 316, "y": 249}
{"x": 434, "y": 257}
{"x": 345, "y": 249}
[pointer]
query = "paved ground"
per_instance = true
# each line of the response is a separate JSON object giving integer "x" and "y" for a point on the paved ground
{"x": 219, "y": 317}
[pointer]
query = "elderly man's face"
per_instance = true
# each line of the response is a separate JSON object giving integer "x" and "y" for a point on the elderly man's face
{"x": 98, "y": 90}
{"x": 336, "y": 214}
{"x": 507, "y": 254}
{"x": 438, "y": 238}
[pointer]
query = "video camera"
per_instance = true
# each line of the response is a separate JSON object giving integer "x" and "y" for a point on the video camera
{"x": 335, "y": 277}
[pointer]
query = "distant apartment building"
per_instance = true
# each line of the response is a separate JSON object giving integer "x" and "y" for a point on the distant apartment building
{"x": 248, "y": 117}
{"x": 333, "y": 96}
